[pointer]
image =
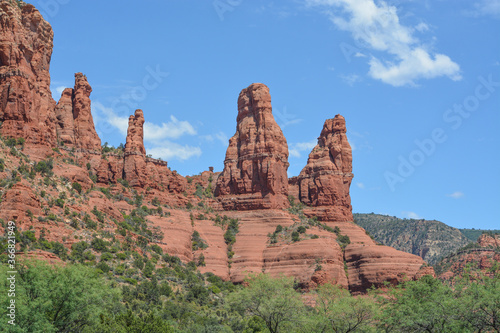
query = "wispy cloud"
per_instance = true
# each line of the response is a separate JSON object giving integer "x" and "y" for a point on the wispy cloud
{"x": 222, "y": 137}
{"x": 157, "y": 138}
{"x": 376, "y": 26}
{"x": 295, "y": 149}
{"x": 350, "y": 79}
{"x": 360, "y": 185}
{"x": 168, "y": 150}
{"x": 172, "y": 129}
{"x": 284, "y": 119}
{"x": 485, "y": 8}
{"x": 411, "y": 215}
{"x": 456, "y": 195}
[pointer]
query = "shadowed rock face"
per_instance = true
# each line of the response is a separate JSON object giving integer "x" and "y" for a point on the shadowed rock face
{"x": 326, "y": 178}
{"x": 75, "y": 125}
{"x": 26, "y": 104}
{"x": 254, "y": 175}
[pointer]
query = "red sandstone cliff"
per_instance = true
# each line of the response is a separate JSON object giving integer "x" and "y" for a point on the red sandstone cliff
{"x": 26, "y": 104}
{"x": 254, "y": 174}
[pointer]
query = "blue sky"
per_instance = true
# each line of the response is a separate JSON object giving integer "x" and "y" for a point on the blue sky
{"x": 417, "y": 81}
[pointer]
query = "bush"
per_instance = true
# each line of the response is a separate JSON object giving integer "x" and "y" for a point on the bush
{"x": 77, "y": 187}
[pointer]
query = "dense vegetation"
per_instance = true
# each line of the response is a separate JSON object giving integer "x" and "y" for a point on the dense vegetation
{"x": 76, "y": 298}
{"x": 432, "y": 240}
{"x": 473, "y": 234}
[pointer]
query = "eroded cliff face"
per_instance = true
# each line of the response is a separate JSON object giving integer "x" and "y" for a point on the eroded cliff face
{"x": 480, "y": 259}
{"x": 255, "y": 168}
{"x": 26, "y": 104}
{"x": 326, "y": 178}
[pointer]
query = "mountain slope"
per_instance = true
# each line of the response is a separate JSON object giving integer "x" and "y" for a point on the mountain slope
{"x": 430, "y": 239}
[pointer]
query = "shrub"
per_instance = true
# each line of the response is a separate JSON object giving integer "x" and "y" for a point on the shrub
{"x": 77, "y": 187}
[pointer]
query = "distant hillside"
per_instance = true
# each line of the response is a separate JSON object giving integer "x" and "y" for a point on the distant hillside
{"x": 473, "y": 234}
{"x": 432, "y": 240}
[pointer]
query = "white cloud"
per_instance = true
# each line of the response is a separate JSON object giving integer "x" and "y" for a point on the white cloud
{"x": 376, "y": 26}
{"x": 152, "y": 132}
{"x": 486, "y": 8}
{"x": 360, "y": 55}
{"x": 360, "y": 185}
{"x": 105, "y": 119}
{"x": 168, "y": 150}
{"x": 222, "y": 137}
{"x": 422, "y": 27}
{"x": 411, "y": 215}
{"x": 208, "y": 138}
{"x": 295, "y": 149}
{"x": 350, "y": 79}
{"x": 171, "y": 130}
{"x": 59, "y": 90}
{"x": 456, "y": 195}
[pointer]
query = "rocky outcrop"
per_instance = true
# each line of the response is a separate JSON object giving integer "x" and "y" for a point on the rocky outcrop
{"x": 135, "y": 134}
{"x": 255, "y": 168}
{"x": 65, "y": 123}
{"x": 75, "y": 125}
{"x": 326, "y": 178}
{"x": 134, "y": 168}
{"x": 26, "y": 104}
{"x": 487, "y": 240}
{"x": 142, "y": 171}
{"x": 17, "y": 201}
{"x": 376, "y": 265}
{"x": 477, "y": 258}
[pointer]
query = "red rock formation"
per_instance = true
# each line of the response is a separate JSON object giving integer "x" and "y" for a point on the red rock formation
{"x": 134, "y": 168}
{"x": 326, "y": 178}
{"x": 141, "y": 171}
{"x": 75, "y": 125}
{"x": 17, "y": 201}
{"x": 26, "y": 104}
{"x": 480, "y": 259}
{"x": 486, "y": 240}
{"x": 254, "y": 174}
{"x": 374, "y": 265}
{"x": 135, "y": 134}
{"x": 65, "y": 123}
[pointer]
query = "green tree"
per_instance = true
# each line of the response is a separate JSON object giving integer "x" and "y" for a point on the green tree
{"x": 272, "y": 299}
{"x": 337, "y": 311}
{"x": 479, "y": 301}
{"x": 426, "y": 305}
{"x": 57, "y": 298}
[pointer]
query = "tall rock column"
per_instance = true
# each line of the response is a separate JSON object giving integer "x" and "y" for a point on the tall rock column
{"x": 26, "y": 104}
{"x": 85, "y": 132}
{"x": 134, "y": 169}
{"x": 326, "y": 178}
{"x": 255, "y": 168}
{"x": 75, "y": 125}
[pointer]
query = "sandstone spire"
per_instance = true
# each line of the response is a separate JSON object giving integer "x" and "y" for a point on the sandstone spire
{"x": 135, "y": 134}
{"x": 326, "y": 178}
{"x": 255, "y": 168}
{"x": 75, "y": 125}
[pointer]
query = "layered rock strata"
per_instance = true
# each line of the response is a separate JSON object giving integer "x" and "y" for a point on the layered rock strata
{"x": 255, "y": 168}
